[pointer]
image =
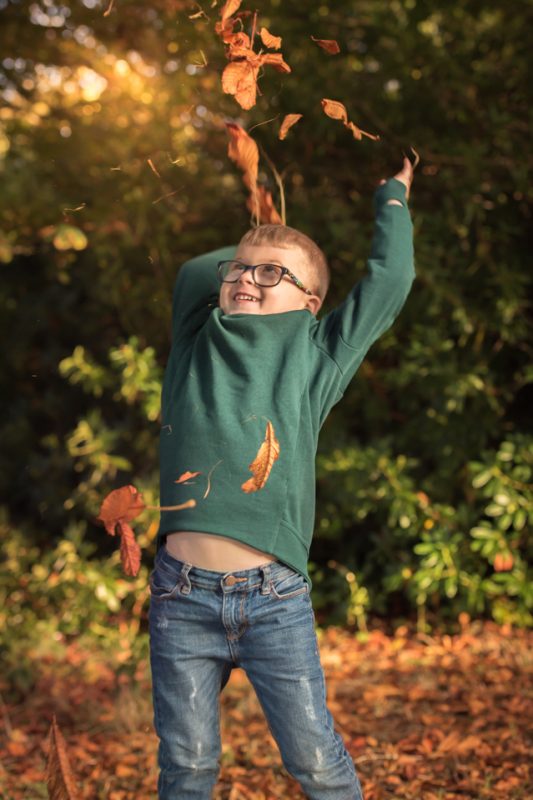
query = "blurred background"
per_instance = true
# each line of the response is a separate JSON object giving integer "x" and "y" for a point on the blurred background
{"x": 114, "y": 170}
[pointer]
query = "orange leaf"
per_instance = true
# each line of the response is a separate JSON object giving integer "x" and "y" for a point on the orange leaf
{"x": 269, "y": 40}
{"x": 130, "y": 552}
{"x": 244, "y": 151}
{"x": 275, "y": 60}
{"x": 337, "y": 110}
{"x": 186, "y": 476}
{"x": 262, "y": 463}
{"x": 329, "y": 45}
{"x": 288, "y": 121}
{"x": 334, "y": 109}
{"x": 120, "y": 505}
{"x": 240, "y": 79}
{"x": 268, "y": 214}
{"x": 229, "y": 8}
{"x": 59, "y": 776}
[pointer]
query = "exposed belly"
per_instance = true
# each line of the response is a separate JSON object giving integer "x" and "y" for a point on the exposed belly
{"x": 215, "y": 552}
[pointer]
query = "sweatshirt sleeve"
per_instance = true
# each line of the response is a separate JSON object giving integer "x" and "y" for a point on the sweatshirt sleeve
{"x": 196, "y": 291}
{"x": 347, "y": 332}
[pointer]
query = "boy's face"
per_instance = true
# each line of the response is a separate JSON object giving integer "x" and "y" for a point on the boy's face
{"x": 286, "y": 296}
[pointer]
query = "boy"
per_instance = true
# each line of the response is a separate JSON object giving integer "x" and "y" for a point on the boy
{"x": 230, "y": 586}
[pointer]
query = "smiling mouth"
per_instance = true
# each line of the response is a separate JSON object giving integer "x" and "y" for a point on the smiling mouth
{"x": 242, "y": 297}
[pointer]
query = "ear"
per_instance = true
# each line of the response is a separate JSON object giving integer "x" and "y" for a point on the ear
{"x": 313, "y": 303}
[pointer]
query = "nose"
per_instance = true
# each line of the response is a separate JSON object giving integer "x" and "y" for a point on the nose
{"x": 246, "y": 276}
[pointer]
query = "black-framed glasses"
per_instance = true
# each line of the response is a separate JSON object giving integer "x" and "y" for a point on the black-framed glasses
{"x": 263, "y": 274}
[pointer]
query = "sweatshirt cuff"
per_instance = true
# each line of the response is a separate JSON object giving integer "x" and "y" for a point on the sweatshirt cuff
{"x": 393, "y": 189}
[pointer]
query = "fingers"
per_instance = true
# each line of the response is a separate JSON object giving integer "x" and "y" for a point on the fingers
{"x": 406, "y": 174}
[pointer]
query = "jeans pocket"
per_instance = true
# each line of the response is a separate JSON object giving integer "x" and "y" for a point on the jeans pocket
{"x": 288, "y": 583}
{"x": 163, "y": 585}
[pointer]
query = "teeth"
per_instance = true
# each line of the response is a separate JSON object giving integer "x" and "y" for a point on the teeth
{"x": 245, "y": 297}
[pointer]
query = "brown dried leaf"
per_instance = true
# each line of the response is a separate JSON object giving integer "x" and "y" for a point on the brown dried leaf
{"x": 244, "y": 152}
{"x": 264, "y": 207}
{"x": 288, "y": 121}
{"x": 130, "y": 552}
{"x": 275, "y": 60}
{"x": 337, "y": 110}
{"x": 329, "y": 45}
{"x": 334, "y": 109}
{"x": 120, "y": 505}
{"x": 185, "y": 476}
{"x": 59, "y": 776}
{"x": 229, "y": 8}
{"x": 269, "y": 40}
{"x": 240, "y": 79}
{"x": 358, "y": 133}
{"x": 262, "y": 463}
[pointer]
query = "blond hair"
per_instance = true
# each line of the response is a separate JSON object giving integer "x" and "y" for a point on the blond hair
{"x": 285, "y": 237}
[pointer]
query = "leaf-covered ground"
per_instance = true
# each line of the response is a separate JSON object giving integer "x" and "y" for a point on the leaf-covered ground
{"x": 423, "y": 717}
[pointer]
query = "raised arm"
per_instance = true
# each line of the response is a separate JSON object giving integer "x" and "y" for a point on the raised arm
{"x": 196, "y": 291}
{"x": 348, "y": 331}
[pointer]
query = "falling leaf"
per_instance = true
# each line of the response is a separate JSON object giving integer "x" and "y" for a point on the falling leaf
{"x": 262, "y": 463}
{"x": 59, "y": 776}
{"x": 288, "y": 121}
{"x": 120, "y": 506}
{"x": 334, "y": 109}
{"x": 274, "y": 42}
{"x": 229, "y": 8}
{"x": 329, "y": 45}
{"x": 267, "y": 213}
{"x": 130, "y": 552}
{"x": 337, "y": 110}
{"x": 108, "y": 9}
{"x": 186, "y": 476}
{"x": 244, "y": 152}
{"x": 240, "y": 79}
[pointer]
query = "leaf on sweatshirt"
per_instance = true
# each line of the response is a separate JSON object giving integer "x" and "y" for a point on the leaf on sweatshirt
{"x": 329, "y": 45}
{"x": 337, "y": 110}
{"x": 120, "y": 506}
{"x": 187, "y": 476}
{"x": 288, "y": 121}
{"x": 262, "y": 463}
{"x": 59, "y": 776}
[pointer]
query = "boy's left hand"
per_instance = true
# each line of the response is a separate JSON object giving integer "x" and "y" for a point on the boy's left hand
{"x": 406, "y": 174}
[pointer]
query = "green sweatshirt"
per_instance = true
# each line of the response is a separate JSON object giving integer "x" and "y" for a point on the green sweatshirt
{"x": 229, "y": 374}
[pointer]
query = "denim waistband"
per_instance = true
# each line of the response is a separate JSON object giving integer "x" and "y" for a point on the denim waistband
{"x": 228, "y": 580}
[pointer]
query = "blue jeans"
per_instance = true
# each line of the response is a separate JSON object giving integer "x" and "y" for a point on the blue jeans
{"x": 203, "y": 624}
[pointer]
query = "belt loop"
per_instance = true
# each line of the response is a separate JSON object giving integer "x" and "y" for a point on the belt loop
{"x": 265, "y": 586}
{"x": 186, "y": 581}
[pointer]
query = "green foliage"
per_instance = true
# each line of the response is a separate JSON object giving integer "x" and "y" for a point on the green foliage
{"x": 439, "y": 556}
{"x": 114, "y": 170}
{"x": 48, "y": 598}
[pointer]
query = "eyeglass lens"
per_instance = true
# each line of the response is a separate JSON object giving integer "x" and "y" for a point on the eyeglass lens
{"x": 264, "y": 274}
